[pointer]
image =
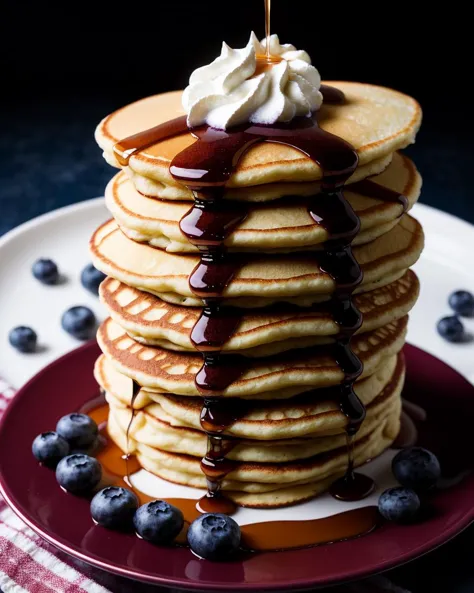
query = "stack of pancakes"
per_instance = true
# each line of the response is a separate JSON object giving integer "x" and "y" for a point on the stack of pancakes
{"x": 287, "y": 430}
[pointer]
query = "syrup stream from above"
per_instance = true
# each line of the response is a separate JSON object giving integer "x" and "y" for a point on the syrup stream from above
{"x": 268, "y": 7}
{"x": 204, "y": 167}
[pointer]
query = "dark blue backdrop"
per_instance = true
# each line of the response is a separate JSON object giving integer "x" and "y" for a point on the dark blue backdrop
{"x": 66, "y": 66}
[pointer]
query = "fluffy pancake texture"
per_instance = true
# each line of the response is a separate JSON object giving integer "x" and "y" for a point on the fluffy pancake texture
{"x": 159, "y": 369}
{"x": 152, "y": 321}
{"x": 376, "y": 121}
{"x": 273, "y": 278}
{"x": 313, "y": 413}
{"x": 275, "y": 226}
{"x": 268, "y": 484}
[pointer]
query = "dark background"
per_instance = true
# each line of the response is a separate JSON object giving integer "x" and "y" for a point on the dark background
{"x": 65, "y": 65}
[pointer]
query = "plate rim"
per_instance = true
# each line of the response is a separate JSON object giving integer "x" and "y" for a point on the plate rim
{"x": 49, "y": 216}
{"x": 343, "y": 577}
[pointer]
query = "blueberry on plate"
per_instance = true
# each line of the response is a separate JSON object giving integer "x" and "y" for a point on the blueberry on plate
{"x": 114, "y": 507}
{"x": 78, "y": 473}
{"x": 462, "y": 303}
{"x": 451, "y": 329}
{"x": 80, "y": 322}
{"x": 158, "y": 522}
{"x": 399, "y": 504}
{"x": 214, "y": 536}
{"x": 23, "y": 339}
{"x": 50, "y": 448}
{"x": 79, "y": 430}
{"x": 46, "y": 271}
{"x": 91, "y": 278}
{"x": 416, "y": 468}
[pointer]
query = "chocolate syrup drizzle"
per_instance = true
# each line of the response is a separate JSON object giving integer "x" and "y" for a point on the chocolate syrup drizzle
{"x": 205, "y": 167}
{"x": 128, "y": 456}
{"x": 371, "y": 189}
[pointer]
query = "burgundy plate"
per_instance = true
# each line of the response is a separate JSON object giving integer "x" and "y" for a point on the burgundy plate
{"x": 64, "y": 520}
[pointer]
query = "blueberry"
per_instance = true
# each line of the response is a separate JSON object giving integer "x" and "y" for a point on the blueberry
{"x": 79, "y": 430}
{"x": 451, "y": 329}
{"x": 91, "y": 277}
{"x": 23, "y": 338}
{"x": 46, "y": 271}
{"x": 78, "y": 473}
{"x": 462, "y": 303}
{"x": 114, "y": 507}
{"x": 80, "y": 322}
{"x": 399, "y": 504}
{"x": 50, "y": 448}
{"x": 416, "y": 468}
{"x": 158, "y": 522}
{"x": 214, "y": 536}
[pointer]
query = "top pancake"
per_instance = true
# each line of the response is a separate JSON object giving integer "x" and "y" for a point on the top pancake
{"x": 376, "y": 121}
{"x": 280, "y": 225}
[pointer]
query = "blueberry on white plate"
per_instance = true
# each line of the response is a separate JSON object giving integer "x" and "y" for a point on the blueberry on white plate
{"x": 79, "y": 322}
{"x": 399, "y": 504}
{"x": 91, "y": 278}
{"x": 158, "y": 522}
{"x": 79, "y": 430}
{"x": 462, "y": 303}
{"x": 49, "y": 448}
{"x": 78, "y": 473}
{"x": 46, "y": 271}
{"x": 114, "y": 507}
{"x": 214, "y": 536}
{"x": 416, "y": 468}
{"x": 23, "y": 338}
{"x": 451, "y": 329}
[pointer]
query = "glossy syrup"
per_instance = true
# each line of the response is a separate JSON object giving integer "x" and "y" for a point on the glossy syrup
{"x": 205, "y": 167}
{"x": 371, "y": 189}
{"x": 271, "y": 535}
{"x": 268, "y": 7}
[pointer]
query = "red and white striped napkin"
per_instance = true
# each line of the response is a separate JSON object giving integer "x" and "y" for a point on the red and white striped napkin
{"x": 28, "y": 564}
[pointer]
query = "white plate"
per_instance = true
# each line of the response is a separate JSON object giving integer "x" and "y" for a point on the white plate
{"x": 63, "y": 236}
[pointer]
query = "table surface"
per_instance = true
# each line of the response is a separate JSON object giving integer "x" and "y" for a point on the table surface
{"x": 49, "y": 159}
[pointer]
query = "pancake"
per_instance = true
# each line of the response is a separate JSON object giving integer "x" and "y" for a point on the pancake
{"x": 174, "y": 372}
{"x": 253, "y": 194}
{"x": 313, "y": 413}
{"x": 282, "y": 225}
{"x": 261, "y": 277}
{"x": 149, "y": 320}
{"x": 278, "y": 482}
{"x": 376, "y": 121}
{"x": 147, "y": 429}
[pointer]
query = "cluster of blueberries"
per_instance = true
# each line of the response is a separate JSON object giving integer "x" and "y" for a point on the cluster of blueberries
{"x": 451, "y": 328}
{"x": 418, "y": 472}
{"x": 214, "y": 536}
{"x": 79, "y": 321}
{"x": 68, "y": 449}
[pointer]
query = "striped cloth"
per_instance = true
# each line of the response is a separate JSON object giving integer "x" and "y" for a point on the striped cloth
{"x": 28, "y": 564}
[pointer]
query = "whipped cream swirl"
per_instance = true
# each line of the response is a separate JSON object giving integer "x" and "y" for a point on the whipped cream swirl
{"x": 235, "y": 89}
